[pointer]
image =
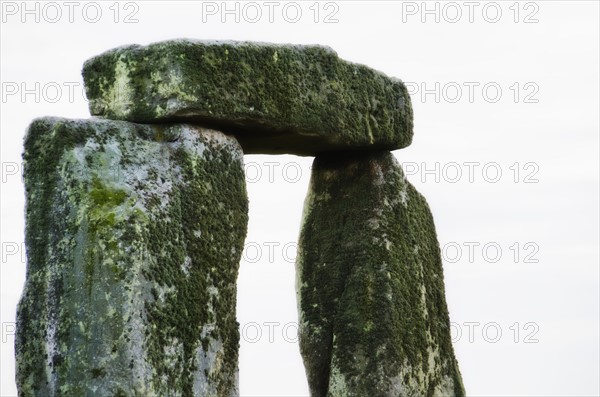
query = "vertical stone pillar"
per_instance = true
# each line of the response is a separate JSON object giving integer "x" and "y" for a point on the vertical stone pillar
{"x": 134, "y": 235}
{"x": 373, "y": 316}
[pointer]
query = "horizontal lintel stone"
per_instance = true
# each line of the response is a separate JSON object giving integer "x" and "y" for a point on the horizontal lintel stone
{"x": 274, "y": 98}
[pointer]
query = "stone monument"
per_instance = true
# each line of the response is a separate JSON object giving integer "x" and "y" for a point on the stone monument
{"x": 136, "y": 220}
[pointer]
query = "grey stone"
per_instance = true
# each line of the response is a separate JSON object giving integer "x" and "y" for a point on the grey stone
{"x": 373, "y": 316}
{"x": 274, "y": 98}
{"x": 134, "y": 234}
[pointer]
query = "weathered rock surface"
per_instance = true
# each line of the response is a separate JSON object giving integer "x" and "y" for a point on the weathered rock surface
{"x": 373, "y": 316}
{"x": 275, "y": 98}
{"x": 134, "y": 235}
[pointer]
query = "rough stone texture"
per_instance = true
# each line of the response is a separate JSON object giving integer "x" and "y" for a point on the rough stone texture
{"x": 373, "y": 316}
{"x": 275, "y": 98}
{"x": 134, "y": 235}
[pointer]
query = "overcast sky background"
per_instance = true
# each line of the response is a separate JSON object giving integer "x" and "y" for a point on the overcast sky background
{"x": 532, "y": 308}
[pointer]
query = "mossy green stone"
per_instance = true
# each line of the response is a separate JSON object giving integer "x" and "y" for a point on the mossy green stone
{"x": 274, "y": 98}
{"x": 373, "y": 316}
{"x": 134, "y": 235}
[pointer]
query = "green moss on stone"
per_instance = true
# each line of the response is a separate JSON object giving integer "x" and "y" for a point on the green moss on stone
{"x": 118, "y": 292}
{"x": 105, "y": 196}
{"x": 273, "y": 98}
{"x": 370, "y": 284}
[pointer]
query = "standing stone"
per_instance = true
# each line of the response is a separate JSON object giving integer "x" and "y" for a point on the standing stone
{"x": 274, "y": 98}
{"x": 373, "y": 316}
{"x": 134, "y": 234}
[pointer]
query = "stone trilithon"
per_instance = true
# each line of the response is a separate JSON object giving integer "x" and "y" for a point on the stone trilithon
{"x": 136, "y": 220}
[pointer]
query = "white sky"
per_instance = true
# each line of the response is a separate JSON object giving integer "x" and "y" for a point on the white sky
{"x": 547, "y": 312}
